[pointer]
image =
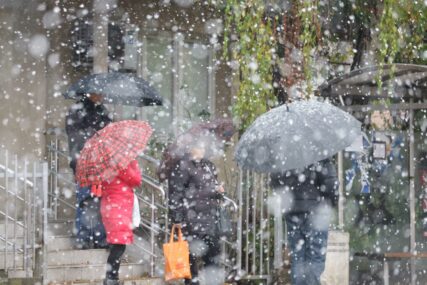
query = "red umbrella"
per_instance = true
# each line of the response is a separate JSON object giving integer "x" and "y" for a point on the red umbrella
{"x": 214, "y": 131}
{"x": 109, "y": 151}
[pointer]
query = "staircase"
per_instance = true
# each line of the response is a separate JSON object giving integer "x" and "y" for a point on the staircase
{"x": 66, "y": 265}
{"x": 36, "y": 229}
{"x": 37, "y": 218}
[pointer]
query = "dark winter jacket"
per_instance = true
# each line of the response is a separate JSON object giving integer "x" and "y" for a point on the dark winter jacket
{"x": 193, "y": 196}
{"x": 308, "y": 188}
{"x": 83, "y": 120}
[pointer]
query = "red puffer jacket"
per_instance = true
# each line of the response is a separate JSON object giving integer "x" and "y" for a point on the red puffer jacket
{"x": 117, "y": 204}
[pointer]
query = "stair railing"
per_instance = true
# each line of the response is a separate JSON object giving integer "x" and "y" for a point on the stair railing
{"x": 23, "y": 185}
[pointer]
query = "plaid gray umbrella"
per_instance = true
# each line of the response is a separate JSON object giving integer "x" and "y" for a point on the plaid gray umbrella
{"x": 117, "y": 88}
{"x": 296, "y": 135}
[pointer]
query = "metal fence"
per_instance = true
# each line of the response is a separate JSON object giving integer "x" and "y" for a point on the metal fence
{"x": 249, "y": 254}
{"x": 23, "y": 212}
{"x": 256, "y": 233}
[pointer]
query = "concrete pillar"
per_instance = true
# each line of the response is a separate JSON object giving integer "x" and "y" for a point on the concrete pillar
{"x": 100, "y": 36}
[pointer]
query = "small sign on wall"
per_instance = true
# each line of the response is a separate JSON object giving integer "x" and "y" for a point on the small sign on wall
{"x": 379, "y": 150}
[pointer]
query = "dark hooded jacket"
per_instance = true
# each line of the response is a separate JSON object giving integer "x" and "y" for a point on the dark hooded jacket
{"x": 308, "y": 188}
{"x": 193, "y": 196}
{"x": 83, "y": 120}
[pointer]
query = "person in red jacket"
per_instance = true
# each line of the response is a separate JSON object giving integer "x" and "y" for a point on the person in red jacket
{"x": 116, "y": 211}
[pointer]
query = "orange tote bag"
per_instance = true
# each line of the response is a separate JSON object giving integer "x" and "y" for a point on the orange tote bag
{"x": 177, "y": 257}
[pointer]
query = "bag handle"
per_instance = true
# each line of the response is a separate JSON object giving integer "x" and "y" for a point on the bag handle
{"x": 178, "y": 227}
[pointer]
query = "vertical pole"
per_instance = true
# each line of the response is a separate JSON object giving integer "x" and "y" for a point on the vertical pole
{"x": 45, "y": 174}
{"x": 412, "y": 192}
{"x": 254, "y": 221}
{"x": 177, "y": 62}
{"x": 166, "y": 216}
{"x": 56, "y": 188}
{"x": 268, "y": 230}
{"x": 386, "y": 273}
{"x": 261, "y": 227}
{"x": 211, "y": 82}
{"x": 239, "y": 220}
{"x": 249, "y": 178}
{"x": 15, "y": 210}
{"x": 33, "y": 216}
{"x": 25, "y": 221}
{"x": 51, "y": 163}
{"x": 341, "y": 190}
{"x": 100, "y": 36}
{"x": 278, "y": 232}
{"x": 6, "y": 218}
{"x": 152, "y": 232}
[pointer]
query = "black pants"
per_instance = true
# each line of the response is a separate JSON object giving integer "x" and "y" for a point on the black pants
{"x": 113, "y": 261}
{"x": 207, "y": 249}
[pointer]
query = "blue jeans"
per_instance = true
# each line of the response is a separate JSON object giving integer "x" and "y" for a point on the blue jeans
{"x": 307, "y": 249}
{"x": 88, "y": 219}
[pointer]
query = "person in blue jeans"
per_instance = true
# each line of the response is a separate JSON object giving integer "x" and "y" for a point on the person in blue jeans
{"x": 87, "y": 116}
{"x": 90, "y": 229}
{"x": 310, "y": 194}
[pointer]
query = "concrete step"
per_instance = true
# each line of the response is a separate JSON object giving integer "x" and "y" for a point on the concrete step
{"x": 60, "y": 228}
{"x": 11, "y": 260}
{"x": 137, "y": 281}
{"x": 77, "y": 257}
{"x": 11, "y": 230}
{"x": 74, "y": 273}
{"x": 57, "y": 243}
{"x": 19, "y": 243}
{"x": 19, "y": 273}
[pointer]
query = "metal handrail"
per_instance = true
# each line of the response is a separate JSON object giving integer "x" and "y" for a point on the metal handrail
{"x": 26, "y": 212}
{"x": 13, "y": 220}
{"x": 232, "y": 202}
{"x": 12, "y": 172}
{"x": 2, "y": 238}
{"x": 62, "y": 153}
{"x": 62, "y": 200}
{"x": 12, "y": 193}
{"x": 154, "y": 184}
{"x": 159, "y": 228}
{"x": 58, "y": 132}
{"x": 151, "y": 159}
{"x": 146, "y": 250}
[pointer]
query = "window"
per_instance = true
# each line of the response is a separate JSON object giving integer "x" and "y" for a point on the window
{"x": 181, "y": 72}
{"x": 82, "y": 42}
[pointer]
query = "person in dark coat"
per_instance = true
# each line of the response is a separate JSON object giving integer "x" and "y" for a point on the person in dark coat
{"x": 308, "y": 195}
{"x": 194, "y": 200}
{"x": 84, "y": 118}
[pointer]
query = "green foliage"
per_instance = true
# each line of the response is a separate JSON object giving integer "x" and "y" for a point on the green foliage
{"x": 308, "y": 37}
{"x": 401, "y": 33}
{"x": 253, "y": 52}
{"x": 413, "y": 21}
{"x": 388, "y": 37}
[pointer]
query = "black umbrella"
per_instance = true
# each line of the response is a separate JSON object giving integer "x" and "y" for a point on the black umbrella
{"x": 117, "y": 88}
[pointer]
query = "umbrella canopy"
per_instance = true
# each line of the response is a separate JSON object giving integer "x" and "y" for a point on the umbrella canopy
{"x": 117, "y": 88}
{"x": 213, "y": 133}
{"x": 110, "y": 150}
{"x": 296, "y": 135}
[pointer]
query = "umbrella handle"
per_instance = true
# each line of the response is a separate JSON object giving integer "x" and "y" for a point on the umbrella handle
{"x": 96, "y": 190}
